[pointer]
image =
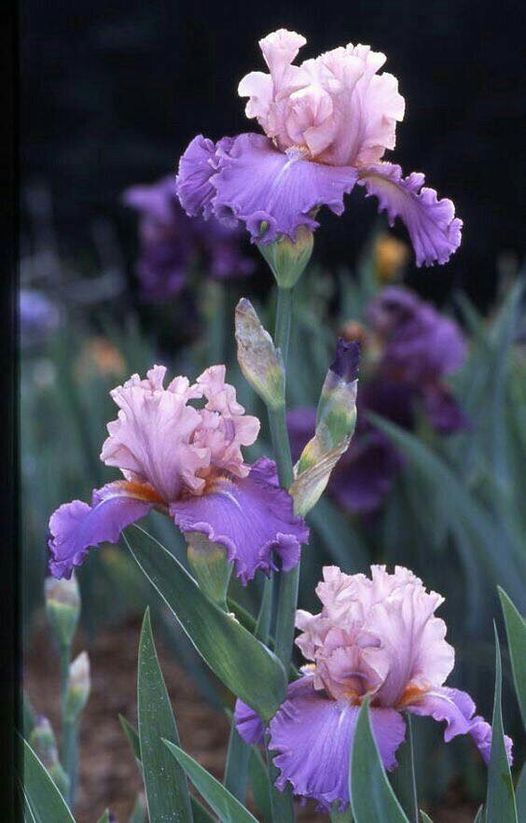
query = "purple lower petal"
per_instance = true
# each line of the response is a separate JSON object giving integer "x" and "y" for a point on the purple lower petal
{"x": 248, "y": 724}
{"x": 312, "y": 736}
{"x": 196, "y": 167}
{"x": 434, "y": 230}
{"x": 76, "y": 527}
{"x": 458, "y": 710}
{"x": 258, "y": 183}
{"x": 251, "y": 518}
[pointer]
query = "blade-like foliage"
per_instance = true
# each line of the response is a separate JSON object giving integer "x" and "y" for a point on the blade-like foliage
{"x": 165, "y": 782}
{"x": 224, "y": 804}
{"x": 516, "y": 634}
{"x": 372, "y": 797}
{"x": 244, "y": 664}
{"x": 500, "y": 797}
{"x": 40, "y": 792}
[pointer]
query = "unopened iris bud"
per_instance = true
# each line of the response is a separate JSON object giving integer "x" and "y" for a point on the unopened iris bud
{"x": 79, "y": 686}
{"x": 43, "y": 741}
{"x": 62, "y": 607}
{"x": 287, "y": 259}
{"x": 258, "y": 358}
{"x": 209, "y": 563}
{"x": 335, "y": 422}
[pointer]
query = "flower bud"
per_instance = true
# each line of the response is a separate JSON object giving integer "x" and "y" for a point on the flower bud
{"x": 258, "y": 358}
{"x": 288, "y": 259}
{"x": 335, "y": 422}
{"x": 79, "y": 686}
{"x": 209, "y": 563}
{"x": 62, "y": 607}
{"x": 43, "y": 741}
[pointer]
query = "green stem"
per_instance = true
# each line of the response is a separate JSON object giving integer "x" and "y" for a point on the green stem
{"x": 68, "y": 728}
{"x": 282, "y": 804}
{"x": 289, "y": 581}
{"x": 414, "y": 791}
{"x": 236, "y": 769}
{"x": 70, "y": 757}
{"x": 283, "y": 321}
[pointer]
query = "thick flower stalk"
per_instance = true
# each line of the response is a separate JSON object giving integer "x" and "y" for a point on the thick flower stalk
{"x": 375, "y": 637}
{"x": 327, "y": 124}
{"x": 180, "y": 450}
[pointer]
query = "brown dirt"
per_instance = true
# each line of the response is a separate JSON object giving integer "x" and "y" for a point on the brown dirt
{"x": 108, "y": 774}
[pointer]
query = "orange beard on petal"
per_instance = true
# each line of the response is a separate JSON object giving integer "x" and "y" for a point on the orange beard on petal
{"x": 411, "y": 694}
{"x": 141, "y": 491}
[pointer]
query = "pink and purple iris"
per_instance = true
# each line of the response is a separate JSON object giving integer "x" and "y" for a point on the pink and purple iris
{"x": 410, "y": 349}
{"x": 327, "y": 124}
{"x": 180, "y": 451}
{"x": 378, "y": 637}
{"x": 171, "y": 243}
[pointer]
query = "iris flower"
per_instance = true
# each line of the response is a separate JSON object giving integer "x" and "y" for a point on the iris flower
{"x": 412, "y": 349}
{"x": 375, "y": 637}
{"x": 171, "y": 244}
{"x": 327, "y": 124}
{"x": 179, "y": 449}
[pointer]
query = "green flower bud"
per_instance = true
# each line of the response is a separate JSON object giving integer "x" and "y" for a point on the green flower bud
{"x": 62, "y": 607}
{"x": 209, "y": 563}
{"x": 288, "y": 259}
{"x": 79, "y": 686}
{"x": 43, "y": 741}
{"x": 335, "y": 422}
{"x": 258, "y": 358}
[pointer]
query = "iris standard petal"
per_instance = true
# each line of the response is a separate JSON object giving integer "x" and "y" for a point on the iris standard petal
{"x": 76, "y": 527}
{"x": 251, "y": 517}
{"x": 434, "y": 230}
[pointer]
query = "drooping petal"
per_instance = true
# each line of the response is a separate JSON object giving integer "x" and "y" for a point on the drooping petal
{"x": 458, "y": 710}
{"x": 257, "y": 184}
{"x": 76, "y": 527}
{"x": 251, "y": 517}
{"x": 248, "y": 724}
{"x": 434, "y": 230}
{"x": 312, "y": 736}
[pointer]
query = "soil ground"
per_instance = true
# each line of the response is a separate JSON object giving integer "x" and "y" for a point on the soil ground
{"x": 108, "y": 774}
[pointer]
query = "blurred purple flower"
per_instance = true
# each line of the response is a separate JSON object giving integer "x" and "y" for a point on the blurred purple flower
{"x": 38, "y": 316}
{"x": 417, "y": 348}
{"x": 171, "y": 243}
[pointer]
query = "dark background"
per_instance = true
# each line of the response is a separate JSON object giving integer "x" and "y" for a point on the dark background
{"x": 113, "y": 91}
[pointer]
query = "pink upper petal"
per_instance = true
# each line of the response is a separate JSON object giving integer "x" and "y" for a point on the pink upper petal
{"x": 160, "y": 439}
{"x": 151, "y": 440}
{"x": 376, "y": 636}
{"x": 335, "y": 106}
